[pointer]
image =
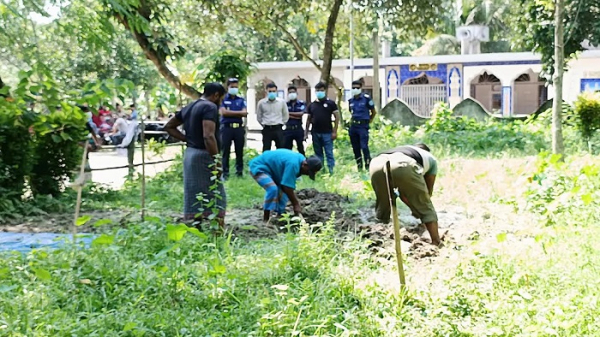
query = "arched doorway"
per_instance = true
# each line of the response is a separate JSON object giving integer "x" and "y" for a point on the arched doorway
{"x": 422, "y": 92}
{"x": 304, "y": 89}
{"x": 530, "y": 93}
{"x": 487, "y": 90}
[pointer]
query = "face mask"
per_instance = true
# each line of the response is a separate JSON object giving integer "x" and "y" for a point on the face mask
{"x": 272, "y": 96}
{"x": 293, "y": 96}
{"x": 356, "y": 92}
{"x": 234, "y": 91}
{"x": 320, "y": 94}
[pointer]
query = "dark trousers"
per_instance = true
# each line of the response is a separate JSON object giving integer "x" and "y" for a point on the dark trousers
{"x": 359, "y": 138}
{"x": 233, "y": 136}
{"x": 290, "y": 135}
{"x": 270, "y": 134}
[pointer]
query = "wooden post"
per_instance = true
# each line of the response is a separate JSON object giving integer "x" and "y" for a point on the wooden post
{"x": 143, "y": 139}
{"x": 80, "y": 182}
{"x": 388, "y": 176}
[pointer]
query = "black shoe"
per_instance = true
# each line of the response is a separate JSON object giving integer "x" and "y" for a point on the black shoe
{"x": 239, "y": 174}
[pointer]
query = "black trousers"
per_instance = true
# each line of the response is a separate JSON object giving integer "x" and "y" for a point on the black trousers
{"x": 270, "y": 134}
{"x": 233, "y": 136}
{"x": 291, "y": 135}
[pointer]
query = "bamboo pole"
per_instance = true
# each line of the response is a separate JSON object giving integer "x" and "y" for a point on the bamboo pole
{"x": 79, "y": 185}
{"x": 143, "y": 171}
{"x": 388, "y": 176}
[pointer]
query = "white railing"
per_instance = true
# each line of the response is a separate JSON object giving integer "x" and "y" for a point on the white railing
{"x": 422, "y": 97}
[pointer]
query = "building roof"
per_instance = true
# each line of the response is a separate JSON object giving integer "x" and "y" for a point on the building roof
{"x": 526, "y": 57}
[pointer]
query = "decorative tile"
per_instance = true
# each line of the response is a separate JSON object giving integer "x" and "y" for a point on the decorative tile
{"x": 454, "y": 82}
{"x": 440, "y": 72}
{"x": 589, "y": 84}
{"x": 393, "y": 84}
{"x": 506, "y": 101}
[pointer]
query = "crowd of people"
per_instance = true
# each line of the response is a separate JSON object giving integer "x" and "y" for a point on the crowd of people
{"x": 215, "y": 122}
{"x": 111, "y": 126}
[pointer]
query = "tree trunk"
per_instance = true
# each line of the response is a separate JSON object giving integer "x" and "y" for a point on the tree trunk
{"x": 328, "y": 48}
{"x": 160, "y": 62}
{"x": 376, "y": 85}
{"x": 559, "y": 56}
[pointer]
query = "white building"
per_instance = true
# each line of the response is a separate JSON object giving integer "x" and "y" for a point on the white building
{"x": 505, "y": 83}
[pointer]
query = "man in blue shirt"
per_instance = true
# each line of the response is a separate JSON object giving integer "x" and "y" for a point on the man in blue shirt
{"x": 363, "y": 111}
{"x": 293, "y": 128}
{"x": 233, "y": 110}
{"x": 276, "y": 171}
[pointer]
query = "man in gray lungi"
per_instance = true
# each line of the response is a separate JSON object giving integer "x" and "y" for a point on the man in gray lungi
{"x": 200, "y": 121}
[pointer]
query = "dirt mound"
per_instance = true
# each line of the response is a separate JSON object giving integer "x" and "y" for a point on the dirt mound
{"x": 318, "y": 207}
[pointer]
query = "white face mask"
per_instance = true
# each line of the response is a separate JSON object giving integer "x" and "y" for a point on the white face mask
{"x": 356, "y": 92}
{"x": 293, "y": 96}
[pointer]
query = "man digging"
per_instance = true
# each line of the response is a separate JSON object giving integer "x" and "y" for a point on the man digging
{"x": 413, "y": 172}
{"x": 277, "y": 171}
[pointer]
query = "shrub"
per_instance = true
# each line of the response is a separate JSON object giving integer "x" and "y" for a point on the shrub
{"x": 587, "y": 109}
{"x": 15, "y": 149}
{"x": 56, "y": 151}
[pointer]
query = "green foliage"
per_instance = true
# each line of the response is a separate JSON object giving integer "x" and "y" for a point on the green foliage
{"x": 15, "y": 147}
{"x": 57, "y": 151}
{"x": 227, "y": 63}
{"x": 587, "y": 109}
{"x": 534, "y": 29}
{"x": 464, "y": 133}
{"x": 559, "y": 192}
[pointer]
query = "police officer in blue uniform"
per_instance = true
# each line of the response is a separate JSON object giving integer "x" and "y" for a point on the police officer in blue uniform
{"x": 233, "y": 110}
{"x": 293, "y": 128}
{"x": 363, "y": 111}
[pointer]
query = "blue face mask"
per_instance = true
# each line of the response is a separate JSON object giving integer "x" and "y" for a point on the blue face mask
{"x": 272, "y": 96}
{"x": 320, "y": 94}
{"x": 234, "y": 91}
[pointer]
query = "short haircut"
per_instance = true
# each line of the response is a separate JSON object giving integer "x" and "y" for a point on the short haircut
{"x": 423, "y": 146}
{"x": 357, "y": 82}
{"x": 271, "y": 85}
{"x": 214, "y": 88}
{"x": 232, "y": 80}
{"x": 320, "y": 85}
{"x": 292, "y": 87}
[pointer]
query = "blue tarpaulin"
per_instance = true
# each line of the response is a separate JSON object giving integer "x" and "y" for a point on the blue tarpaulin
{"x": 25, "y": 242}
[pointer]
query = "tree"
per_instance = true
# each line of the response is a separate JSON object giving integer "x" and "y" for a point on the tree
{"x": 556, "y": 29}
{"x": 147, "y": 22}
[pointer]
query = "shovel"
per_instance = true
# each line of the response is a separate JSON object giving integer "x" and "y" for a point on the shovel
{"x": 392, "y": 195}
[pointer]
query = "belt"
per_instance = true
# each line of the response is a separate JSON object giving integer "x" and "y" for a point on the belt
{"x": 278, "y": 126}
{"x": 293, "y": 127}
{"x": 360, "y": 122}
{"x": 233, "y": 125}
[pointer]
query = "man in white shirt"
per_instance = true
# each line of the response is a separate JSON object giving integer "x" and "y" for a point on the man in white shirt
{"x": 272, "y": 113}
{"x": 119, "y": 130}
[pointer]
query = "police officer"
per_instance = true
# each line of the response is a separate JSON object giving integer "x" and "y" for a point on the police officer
{"x": 293, "y": 127}
{"x": 232, "y": 111}
{"x": 363, "y": 111}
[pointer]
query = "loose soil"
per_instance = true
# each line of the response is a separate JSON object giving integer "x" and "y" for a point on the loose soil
{"x": 317, "y": 208}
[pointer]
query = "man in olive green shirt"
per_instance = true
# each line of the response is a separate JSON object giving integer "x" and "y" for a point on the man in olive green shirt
{"x": 413, "y": 171}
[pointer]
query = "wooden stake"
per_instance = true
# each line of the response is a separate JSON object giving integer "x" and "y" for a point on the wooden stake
{"x": 143, "y": 170}
{"x": 388, "y": 176}
{"x": 80, "y": 182}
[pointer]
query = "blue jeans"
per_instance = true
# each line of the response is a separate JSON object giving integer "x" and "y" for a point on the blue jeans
{"x": 320, "y": 141}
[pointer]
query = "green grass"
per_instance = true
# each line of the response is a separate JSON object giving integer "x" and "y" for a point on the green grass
{"x": 148, "y": 280}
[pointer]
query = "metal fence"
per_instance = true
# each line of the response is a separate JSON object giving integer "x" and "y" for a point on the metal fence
{"x": 422, "y": 97}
